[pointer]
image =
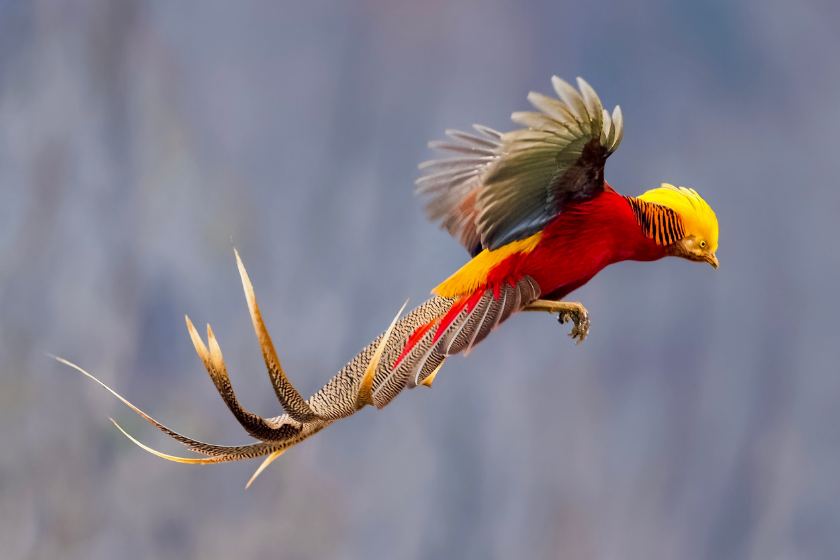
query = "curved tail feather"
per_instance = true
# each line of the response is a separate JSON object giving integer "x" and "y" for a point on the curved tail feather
{"x": 408, "y": 354}
{"x": 219, "y": 453}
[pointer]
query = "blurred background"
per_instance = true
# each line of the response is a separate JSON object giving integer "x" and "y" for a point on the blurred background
{"x": 141, "y": 139}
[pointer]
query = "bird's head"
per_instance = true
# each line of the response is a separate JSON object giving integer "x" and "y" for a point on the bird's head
{"x": 700, "y": 224}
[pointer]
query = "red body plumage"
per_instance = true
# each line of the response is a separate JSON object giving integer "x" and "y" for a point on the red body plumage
{"x": 584, "y": 239}
{"x": 572, "y": 248}
{"x": 577, "y": 244}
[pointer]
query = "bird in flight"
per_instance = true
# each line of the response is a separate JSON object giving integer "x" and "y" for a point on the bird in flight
{"x": 539, "y": 221}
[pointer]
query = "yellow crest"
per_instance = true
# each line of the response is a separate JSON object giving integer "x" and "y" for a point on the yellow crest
{"x": 697, "y": 216}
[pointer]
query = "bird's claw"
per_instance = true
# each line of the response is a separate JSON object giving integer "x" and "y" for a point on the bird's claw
{"x": 580, "y": 317}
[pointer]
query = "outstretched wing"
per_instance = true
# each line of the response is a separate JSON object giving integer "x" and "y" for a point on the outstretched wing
{"x": 491, "y": 189}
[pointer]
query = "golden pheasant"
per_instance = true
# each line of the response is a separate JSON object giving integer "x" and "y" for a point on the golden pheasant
{"x": 539, "y": 220}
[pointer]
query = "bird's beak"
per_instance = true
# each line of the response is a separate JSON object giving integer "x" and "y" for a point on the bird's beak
{"x": 711, "y": 259}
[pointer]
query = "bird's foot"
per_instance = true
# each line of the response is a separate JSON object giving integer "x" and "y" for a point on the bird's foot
{"x": 580, "y": 317}
{"x": 567, "y": 311}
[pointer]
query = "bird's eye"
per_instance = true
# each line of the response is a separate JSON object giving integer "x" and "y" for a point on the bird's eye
{"x": 702, "y": 243}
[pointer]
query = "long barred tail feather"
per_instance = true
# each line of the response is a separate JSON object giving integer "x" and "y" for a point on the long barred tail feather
{"x": 219, "y": 453}
{"x": 338, "y": 398}
{"x": 291, "y": 401}
{"x": 257, "y": 426}
{"x": 408, "y": 354}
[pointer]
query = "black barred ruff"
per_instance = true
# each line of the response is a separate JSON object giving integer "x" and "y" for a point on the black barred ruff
{"x": 660, "y": 223}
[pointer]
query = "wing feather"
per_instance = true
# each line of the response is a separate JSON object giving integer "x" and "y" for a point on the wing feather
{"x": 592, "y": 103}
{"x": 490, "y": 189}
{"x": 573, "y": 100}
{"x": 618, "y": 120}
{"x": 487, "y": 132}
{"x": 554, "y": 108}
{"x": 460, "y": 148}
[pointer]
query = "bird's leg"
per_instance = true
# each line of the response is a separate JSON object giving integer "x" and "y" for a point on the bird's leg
{"x": 567, "y": 311}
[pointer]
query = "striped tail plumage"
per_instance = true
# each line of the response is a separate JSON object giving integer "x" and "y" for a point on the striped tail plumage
{"x": 408, "y": 354}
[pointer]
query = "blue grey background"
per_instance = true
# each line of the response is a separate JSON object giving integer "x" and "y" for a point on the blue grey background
{"x": 141, "y": 139}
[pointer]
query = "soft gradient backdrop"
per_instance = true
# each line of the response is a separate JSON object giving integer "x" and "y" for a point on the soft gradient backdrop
{"x": 141, "y": 139}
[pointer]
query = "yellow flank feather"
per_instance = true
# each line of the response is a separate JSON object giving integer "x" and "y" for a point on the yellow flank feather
{"x": 474, "y": 274}
{"x": 697, "y": 216}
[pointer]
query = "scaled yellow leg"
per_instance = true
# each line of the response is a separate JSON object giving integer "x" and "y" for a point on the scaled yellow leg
{"x": 567, "y": 311}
